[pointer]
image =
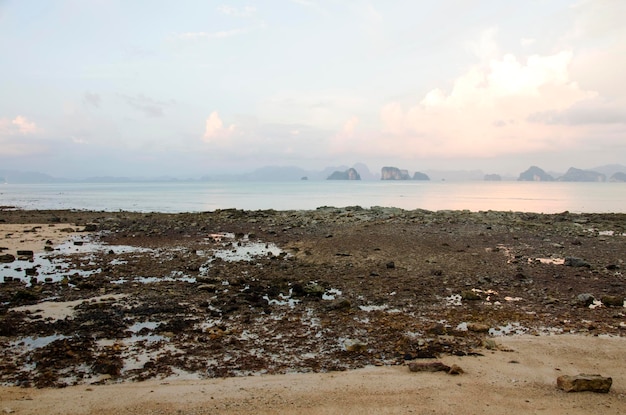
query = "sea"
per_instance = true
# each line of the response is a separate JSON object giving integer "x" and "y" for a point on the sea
{"x": 176, "y": 197}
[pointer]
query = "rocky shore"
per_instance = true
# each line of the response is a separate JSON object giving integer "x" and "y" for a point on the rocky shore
{"x": 105, "y": 297}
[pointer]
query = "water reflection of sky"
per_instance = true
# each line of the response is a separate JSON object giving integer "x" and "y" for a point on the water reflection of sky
{"x": 547, "y": 197}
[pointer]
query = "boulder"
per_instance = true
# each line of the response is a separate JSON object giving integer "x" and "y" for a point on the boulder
{"x": 6, "y": 258}
{"x": 612, "y": 300}
{"x": 585, "y": 299}
{"x": 571, "y": 261}
{"x": 584, "y": 383}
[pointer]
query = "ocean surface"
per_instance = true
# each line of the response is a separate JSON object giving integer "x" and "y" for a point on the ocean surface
{"x": 174, "y": 197}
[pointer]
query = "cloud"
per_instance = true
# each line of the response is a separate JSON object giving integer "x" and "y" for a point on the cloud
{"x": 246, "y": 11}
{"x": 24, "y": 126}
{"x": 214, "y": 129}
{"x": 588, "y": 112}
{"x": 17, "y": 126}
{"x": 488, "y": 110}
{"x": 146, "y": 105}
{"x": 214, "y": 35}
{"x": 93, "y": 99}
{"x": 19, "y": 136}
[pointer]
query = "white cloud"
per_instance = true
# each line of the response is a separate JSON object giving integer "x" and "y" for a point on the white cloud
{"x": 18, "y": 136}
{"x": 19, "y": 125}
{"x": 24, "y": 126}
{"x": 246, "y": 11}
{"x": 214, "y": 128}
{"x": 486, "y": 113}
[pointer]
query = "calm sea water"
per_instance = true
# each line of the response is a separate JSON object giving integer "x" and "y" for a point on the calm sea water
{"x": 547, "y": 197}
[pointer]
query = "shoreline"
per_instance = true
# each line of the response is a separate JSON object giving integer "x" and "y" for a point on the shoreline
{"x": 521, "y": 378}
{"x": 145, "y": 297}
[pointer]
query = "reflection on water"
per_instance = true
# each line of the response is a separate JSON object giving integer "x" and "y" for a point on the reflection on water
{"x": 540, "y": 197}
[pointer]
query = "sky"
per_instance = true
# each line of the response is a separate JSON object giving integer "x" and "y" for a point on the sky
{"x": 191, "y": 88}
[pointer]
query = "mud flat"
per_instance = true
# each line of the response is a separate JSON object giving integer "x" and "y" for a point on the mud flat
{"x": 127, "y": 297}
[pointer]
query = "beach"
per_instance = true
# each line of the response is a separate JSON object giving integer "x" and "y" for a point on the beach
{"x": 318, "y": 311}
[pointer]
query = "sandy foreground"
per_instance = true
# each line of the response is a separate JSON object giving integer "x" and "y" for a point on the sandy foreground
{"x": 33, "y": 236}
{"x": 518, "y": 378}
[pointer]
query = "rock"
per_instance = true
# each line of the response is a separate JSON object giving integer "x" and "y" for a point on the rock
{"x": 25, "y": 252}
{"x": 6, "y": 258}
{"x": 455, "y": 370}
{"x": 314, "y": 290}
{"x": 470, "y": 296}
{"x": 585, "y": 299}
{"x": 572, "y": 261}
{"x": 428, "y": 367}
{"x": 90, "y": 227}
{"x": 478, "y": 327}
{"x": 390, "y": 265}
{"x": 612, "y": 300}
{"x": 354, "y": 345}
{"x": 584, "y": 383}
{"x": 206, "y": 287}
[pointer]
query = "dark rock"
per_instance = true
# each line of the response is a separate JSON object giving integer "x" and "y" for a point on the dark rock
{"x": 390, "y": 265}
{"x": 571, "y": 261}
{"x": 6, "y": 258}
{"x": 478, "y": 327}
{"x": 584, "y": 383}
{"x": 585, "y": 299}
{"x": 613, "y": 300}
{"x": 470, "y": 296}
{"x": 25, "y": 252}
{"x": 90, "y": 227}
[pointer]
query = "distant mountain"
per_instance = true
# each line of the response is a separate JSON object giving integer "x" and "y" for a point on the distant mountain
{"x": 610, "y": 169}
{"x": 618, "y": 177}
{"x": 350, "y": 174}
{"x": 365, "y": 172}
{"x": 14, "y": 176}
{"x": 492, "y": 178}
{"x": 578, "y": 175}
{"x": 418, "y": 175}
{"x": 455, "y": 175}
{"x": 394, "y": 173}
{"x": 535, "y": 174}
{"x": 276, "y": 174}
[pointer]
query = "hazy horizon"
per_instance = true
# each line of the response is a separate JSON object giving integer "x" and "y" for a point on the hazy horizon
{"x": 116, "y": 88}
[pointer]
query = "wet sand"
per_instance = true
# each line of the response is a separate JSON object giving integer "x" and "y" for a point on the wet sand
{"x": 518, "y": 378}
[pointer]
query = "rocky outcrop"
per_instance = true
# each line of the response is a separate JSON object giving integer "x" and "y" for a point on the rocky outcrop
{"x": 584, "y": 383}
{"x": 420, "y": 176}
{"x": 350, "y": 174}
{"x": 578, "y": 175}
{"x": 394, "y": 173}
{"x": 535, "y": 174}
{"x": 618, "y": 177}
{"x": 492, "y": 178}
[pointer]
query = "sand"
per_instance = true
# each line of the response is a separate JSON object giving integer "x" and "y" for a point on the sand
{"x": 520, "y": 377}
{"x": 33, "y": 236}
